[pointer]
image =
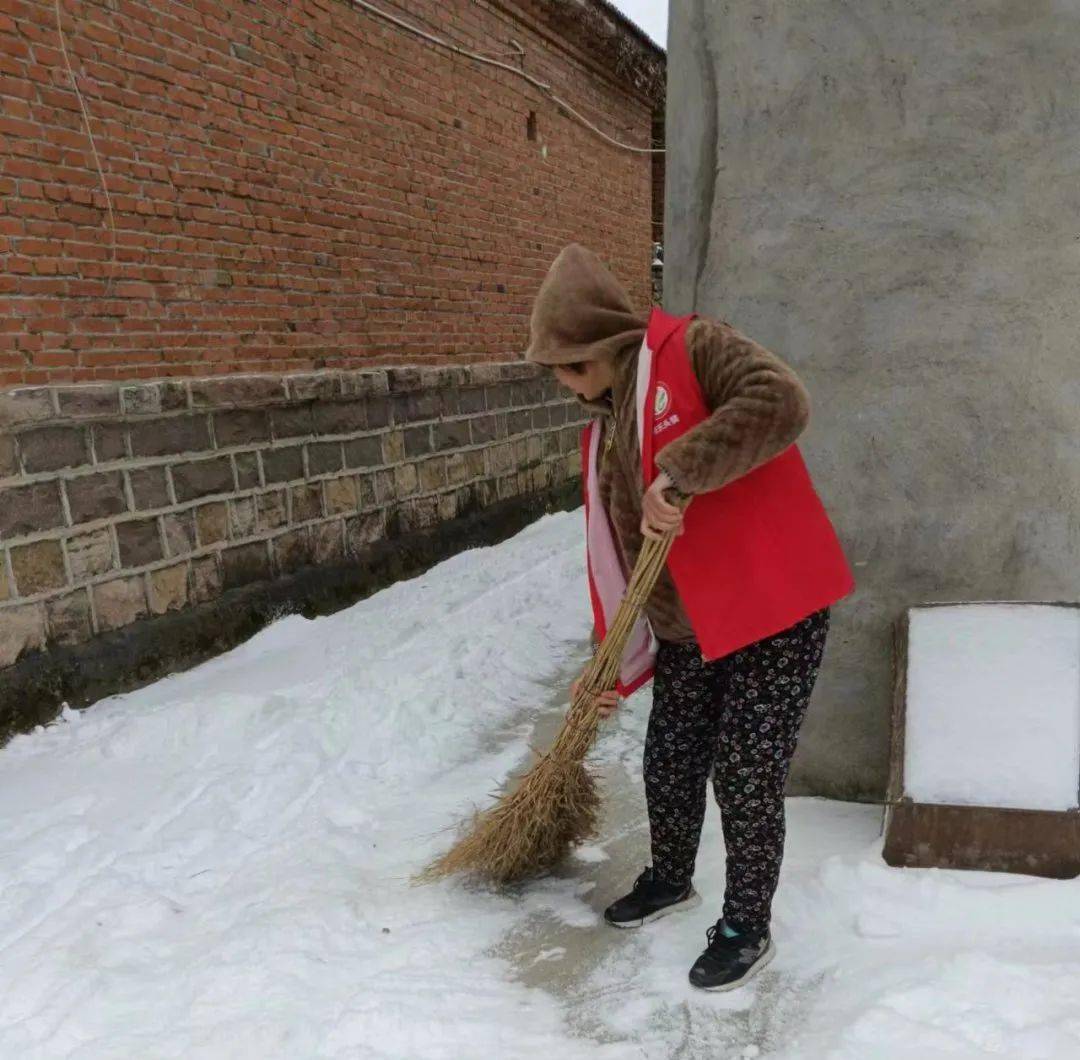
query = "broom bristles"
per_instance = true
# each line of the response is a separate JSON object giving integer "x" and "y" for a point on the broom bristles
{"x": 556, "y": 806}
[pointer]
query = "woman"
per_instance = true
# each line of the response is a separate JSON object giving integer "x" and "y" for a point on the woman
{"x": 687, "y": 407}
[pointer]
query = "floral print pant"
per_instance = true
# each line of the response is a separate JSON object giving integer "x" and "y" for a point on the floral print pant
{"x": 738, "y": 717}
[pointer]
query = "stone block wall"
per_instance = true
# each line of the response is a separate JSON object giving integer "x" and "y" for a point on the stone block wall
{"x": 119, "y": 502}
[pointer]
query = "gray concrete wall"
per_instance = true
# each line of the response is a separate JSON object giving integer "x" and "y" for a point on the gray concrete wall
{"x": 888, "y": 196}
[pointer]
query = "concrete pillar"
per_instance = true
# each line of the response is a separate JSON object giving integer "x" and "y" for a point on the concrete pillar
{"x": 888, "y": 196}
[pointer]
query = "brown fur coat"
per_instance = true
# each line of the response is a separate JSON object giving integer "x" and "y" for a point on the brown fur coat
{"x": 759, "y": 407}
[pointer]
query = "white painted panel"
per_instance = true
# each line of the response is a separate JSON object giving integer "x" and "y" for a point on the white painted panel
{"x": 993, "y": 705}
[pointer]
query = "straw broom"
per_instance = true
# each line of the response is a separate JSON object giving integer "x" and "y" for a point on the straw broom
{"x": 529, "y": 831}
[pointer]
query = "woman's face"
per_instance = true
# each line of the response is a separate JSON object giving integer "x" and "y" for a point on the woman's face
{"x": 588, "y": 379}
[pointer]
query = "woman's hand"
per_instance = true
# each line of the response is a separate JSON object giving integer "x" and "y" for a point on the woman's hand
{"x": 658, "y": 514}
{"x": 608, "y": 701}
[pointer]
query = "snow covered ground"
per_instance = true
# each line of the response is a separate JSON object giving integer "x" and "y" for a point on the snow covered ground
{"x": 217, "y": 866}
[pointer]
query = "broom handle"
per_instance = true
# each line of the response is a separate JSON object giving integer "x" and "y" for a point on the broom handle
{"x": 602, "y": 673}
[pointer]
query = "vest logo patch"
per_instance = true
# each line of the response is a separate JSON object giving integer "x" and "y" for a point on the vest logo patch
{"x": 663, "y": 417}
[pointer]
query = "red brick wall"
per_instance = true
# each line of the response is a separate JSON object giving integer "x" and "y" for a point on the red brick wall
{"x": 296, "y": 185}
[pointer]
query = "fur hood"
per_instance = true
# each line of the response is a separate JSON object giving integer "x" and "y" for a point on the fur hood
{"x": 581, "y": 312}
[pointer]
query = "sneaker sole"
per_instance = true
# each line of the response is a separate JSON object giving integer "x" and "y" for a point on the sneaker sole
{"x": 691, "y": 901}
{"x": 770, "y": 952}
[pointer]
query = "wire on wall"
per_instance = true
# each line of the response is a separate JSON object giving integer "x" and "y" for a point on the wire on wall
{"x": 90, "y": 135}
{"x": 518, "y": 52}
{"x": 541, "y": 85}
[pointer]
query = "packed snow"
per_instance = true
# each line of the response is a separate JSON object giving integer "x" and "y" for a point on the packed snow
{"x": 993, "y": 705}
{"x": 218, "y": 866}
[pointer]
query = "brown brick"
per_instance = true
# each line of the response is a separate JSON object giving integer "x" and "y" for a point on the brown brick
{"x": 519, "y": 422}
{"x": 243, "y": 564}
{"x": 292, "y": 550}
{"x": 68, "y": 617}
{"x": 316, "y": 385}
{"x": 173, "y": 434}
{"x": 385, "y": 486}
{"x": 90, "y": 554}
{"x": 169, "y": 588}
{"x": 363, "y": 530}
{"x": 377, "y": 412}
{"x": 139, "y": 541}
{"x": 241, "y": 427}
{"x": 6, "y": 591}
{"x": 409, "y": 408}
{"x": 482, "y": 429}
{"x": 328, "y": 542}
{"x": 25, "y": 405}
{"x": 247, "y": 470}
{"x": 9, "y": 465}
{"x": 212, "y": 522}
{"x": 30, "y": 508}
{"x": 449, "y": 401}
{"x": 447, "y": 507}
{"x": 418, "y": 513}
{"x": 202, "y": 478}
{"x": 365, "y": 382}
{"x": 417, "y": 441}
{"x": 178, "y": 529}
{"x": 205, "y": 578}
{"x": 149, "y": 487}
{"x": 22, "y": 630}
{"x": 51, "y": 448}
{"x": 364, "y": 452}
{"x": 471, "y": 400}
{"x": 38, "y": 567}
{"x": 307, "y": 502}
{"x": 242, "y": 516}
{"x": 540, "y": 418}
{"x": 500, "y": 458}
{"x": 271, "y": 509}
{"x": 457, "y": 469}
{"x": 475, "y": 460}
{"x": 238, "y": 391}
{"x": 145, "y": 398}
{"x": 405, "y": 480}
{"x": 283, "y": 464}
{"x": 557, "y": 415}
{"x": 324, "y": 457}
{"x": 432, "y": 474}
{"x": 453, "y": 434}
{"x": 498, "y": 396}
{"x": 393, "y": 447}
{"x": 103, "y": 400}
{"x": 365, "y": 489}
{"x": 97, "y": 496}
{"x": 141, "y": 399}
{"x": 119, "y": 602}
{"x": 527, "y": 392}
{"x": 341, "y": 494}
{"x": 404, "y": 378}
{"x": 292, "y": 422}
{"x": 339, "y": 417}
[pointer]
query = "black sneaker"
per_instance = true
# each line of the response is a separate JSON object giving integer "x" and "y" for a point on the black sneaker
{"x": 650, "y": 899}
{"x": 729, "y": 962}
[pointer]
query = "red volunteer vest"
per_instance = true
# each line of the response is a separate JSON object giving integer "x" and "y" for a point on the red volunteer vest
{"x": 757, "y": 555}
